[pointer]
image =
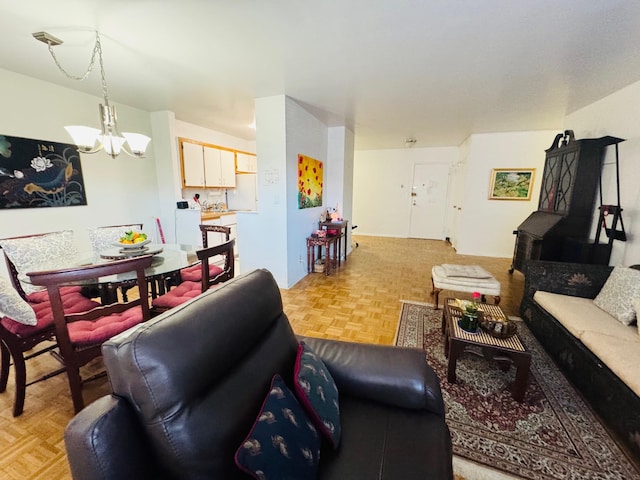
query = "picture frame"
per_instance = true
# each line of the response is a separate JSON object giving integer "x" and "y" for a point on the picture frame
{"x": 511, "y": 183}
{"x": 310, "y": 182}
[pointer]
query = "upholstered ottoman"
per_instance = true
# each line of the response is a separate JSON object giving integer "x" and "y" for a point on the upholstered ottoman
{"x": 464, "y": 278}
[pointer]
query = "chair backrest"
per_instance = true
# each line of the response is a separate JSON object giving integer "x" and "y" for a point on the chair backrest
{"x": 205, "y": 229}
{"x": 228, "y": 270}
{"x": 29, "y": 252}
{"x": 54, "y": 279}
{"x": 104, "y": 237}
{"x": 201, "y": 371}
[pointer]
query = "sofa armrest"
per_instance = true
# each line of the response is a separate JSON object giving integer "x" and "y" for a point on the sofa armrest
{"x": 106, "y": 441}
{"x": 574, "y": 279}
{"x": 393, "y": 375}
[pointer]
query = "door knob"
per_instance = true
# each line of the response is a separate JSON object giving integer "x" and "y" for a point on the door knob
{"x": 414, "y": 194}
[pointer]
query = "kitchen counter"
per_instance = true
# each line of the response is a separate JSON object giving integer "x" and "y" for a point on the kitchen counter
{"x": 214, "y": 215}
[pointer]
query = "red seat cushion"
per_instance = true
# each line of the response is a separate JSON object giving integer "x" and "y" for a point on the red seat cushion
{"x": 194, "y": 273}
{"x": 43, "y": 296}
{"x": 178, "y": 295}
{"x": 72, "y": 301}
{"x": 92, "y": 332}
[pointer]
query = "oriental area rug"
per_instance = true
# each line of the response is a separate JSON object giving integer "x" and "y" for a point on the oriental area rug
{"x": 552, "y": 434}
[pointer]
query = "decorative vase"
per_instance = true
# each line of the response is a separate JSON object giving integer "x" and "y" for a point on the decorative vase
{"x": 469, "y": 322}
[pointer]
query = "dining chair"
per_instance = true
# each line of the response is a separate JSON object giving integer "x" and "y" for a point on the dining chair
{"x": 29, "y": 252}
{"x": 104, "y": 237}
{"x": 18, "y": 339}
{"x": 80, "y": 335}
{"x": 194, "y": 272}
{"x": 189, "y": 289}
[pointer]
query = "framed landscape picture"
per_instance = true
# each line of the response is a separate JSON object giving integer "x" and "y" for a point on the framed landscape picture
{"x": 511, "y": 183}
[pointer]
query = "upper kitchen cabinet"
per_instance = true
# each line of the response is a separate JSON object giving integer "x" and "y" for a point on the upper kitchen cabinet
{"x": 246, "y": 163}
{"x": 191, "y": 157}
{"x": 206, "y": 166}
{"x": 219, "y": 168}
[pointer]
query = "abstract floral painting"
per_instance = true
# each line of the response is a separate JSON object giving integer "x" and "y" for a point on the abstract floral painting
{"x": 39, "y": 173}
{"x": 310, "y": 179}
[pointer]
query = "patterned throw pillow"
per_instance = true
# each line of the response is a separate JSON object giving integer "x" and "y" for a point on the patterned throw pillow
{"x": 12, "y": 305}
{"x": 283, "y": 443}
{"x": 318, "y": 393}
{"x": 618, "y": 292}
{"x": 49, "y": 251}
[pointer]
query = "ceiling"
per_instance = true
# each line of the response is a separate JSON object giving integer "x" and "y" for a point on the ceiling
{"x": 435, "y": 70}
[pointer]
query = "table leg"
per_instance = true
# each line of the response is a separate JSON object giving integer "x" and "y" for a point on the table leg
{"x": 346, "y": 241}
{"x": 327, "y": 257}
{"x": 455, "y": 349}
{"x": 523, "y": 362}
{"x": 108, "y": 294}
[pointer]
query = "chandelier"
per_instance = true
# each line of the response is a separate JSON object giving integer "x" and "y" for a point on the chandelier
{"x": 107, "y": 138}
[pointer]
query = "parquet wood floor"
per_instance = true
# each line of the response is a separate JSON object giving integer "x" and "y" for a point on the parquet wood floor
{"x": 358, "y": 302}
{"x": 361, "y": 300}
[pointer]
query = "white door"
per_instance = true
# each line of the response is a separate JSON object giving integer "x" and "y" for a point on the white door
{"x": 457, "y": 199}
{"x": 429, "y": 200}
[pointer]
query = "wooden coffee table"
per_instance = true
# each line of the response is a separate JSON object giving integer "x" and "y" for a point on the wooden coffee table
{"x": 506, "y": 351}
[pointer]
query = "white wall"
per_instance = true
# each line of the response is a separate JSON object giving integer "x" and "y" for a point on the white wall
{"x": 382, "y": 187}
{"x": 339, "y": 174}
{"x": 119, "y": 191}
{"x": 307, "y": 135}
{"x": 168, "y": 174}
{"x": 617, "y": 115}
{"x": 485, "y": 227}
{"x": 262, "y": 237}
{"x": 279, "y": 230}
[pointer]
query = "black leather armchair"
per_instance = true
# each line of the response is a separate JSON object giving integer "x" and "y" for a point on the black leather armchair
{"x": 188, "y": 385}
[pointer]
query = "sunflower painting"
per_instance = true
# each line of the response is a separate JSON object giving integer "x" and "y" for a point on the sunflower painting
{"x": 38, "y": 173}
{"x": 310, "y": 179}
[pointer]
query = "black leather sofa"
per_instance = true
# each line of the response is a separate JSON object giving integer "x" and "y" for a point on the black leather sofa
{"x": 187, "y": 387}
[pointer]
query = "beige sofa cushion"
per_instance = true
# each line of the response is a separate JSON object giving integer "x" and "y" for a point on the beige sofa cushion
{"x": 579, "y": 315}
{"x": 615, "y": 344}
{"x": 621, "y": 356}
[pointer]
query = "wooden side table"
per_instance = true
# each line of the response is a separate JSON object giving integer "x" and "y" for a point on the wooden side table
{"x": 342, "y": 232}
{"x": 320, "y": 242}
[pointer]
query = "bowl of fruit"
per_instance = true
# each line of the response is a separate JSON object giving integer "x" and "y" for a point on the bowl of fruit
{"x": 133, "y": 240}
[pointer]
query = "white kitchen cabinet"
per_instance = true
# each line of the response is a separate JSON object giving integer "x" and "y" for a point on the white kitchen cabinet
{"x": 246, "y": 163}
{"x": 219, "y": 167}
{"x": 205, "y": 166}
{"x": 192, "y": 165}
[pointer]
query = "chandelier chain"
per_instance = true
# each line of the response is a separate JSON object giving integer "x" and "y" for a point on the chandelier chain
{"x": 110, "y": 140}
{"x": 97, "y": 48}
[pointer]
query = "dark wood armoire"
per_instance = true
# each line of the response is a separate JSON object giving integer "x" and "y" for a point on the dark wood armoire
{"x": 559, "y": 230}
